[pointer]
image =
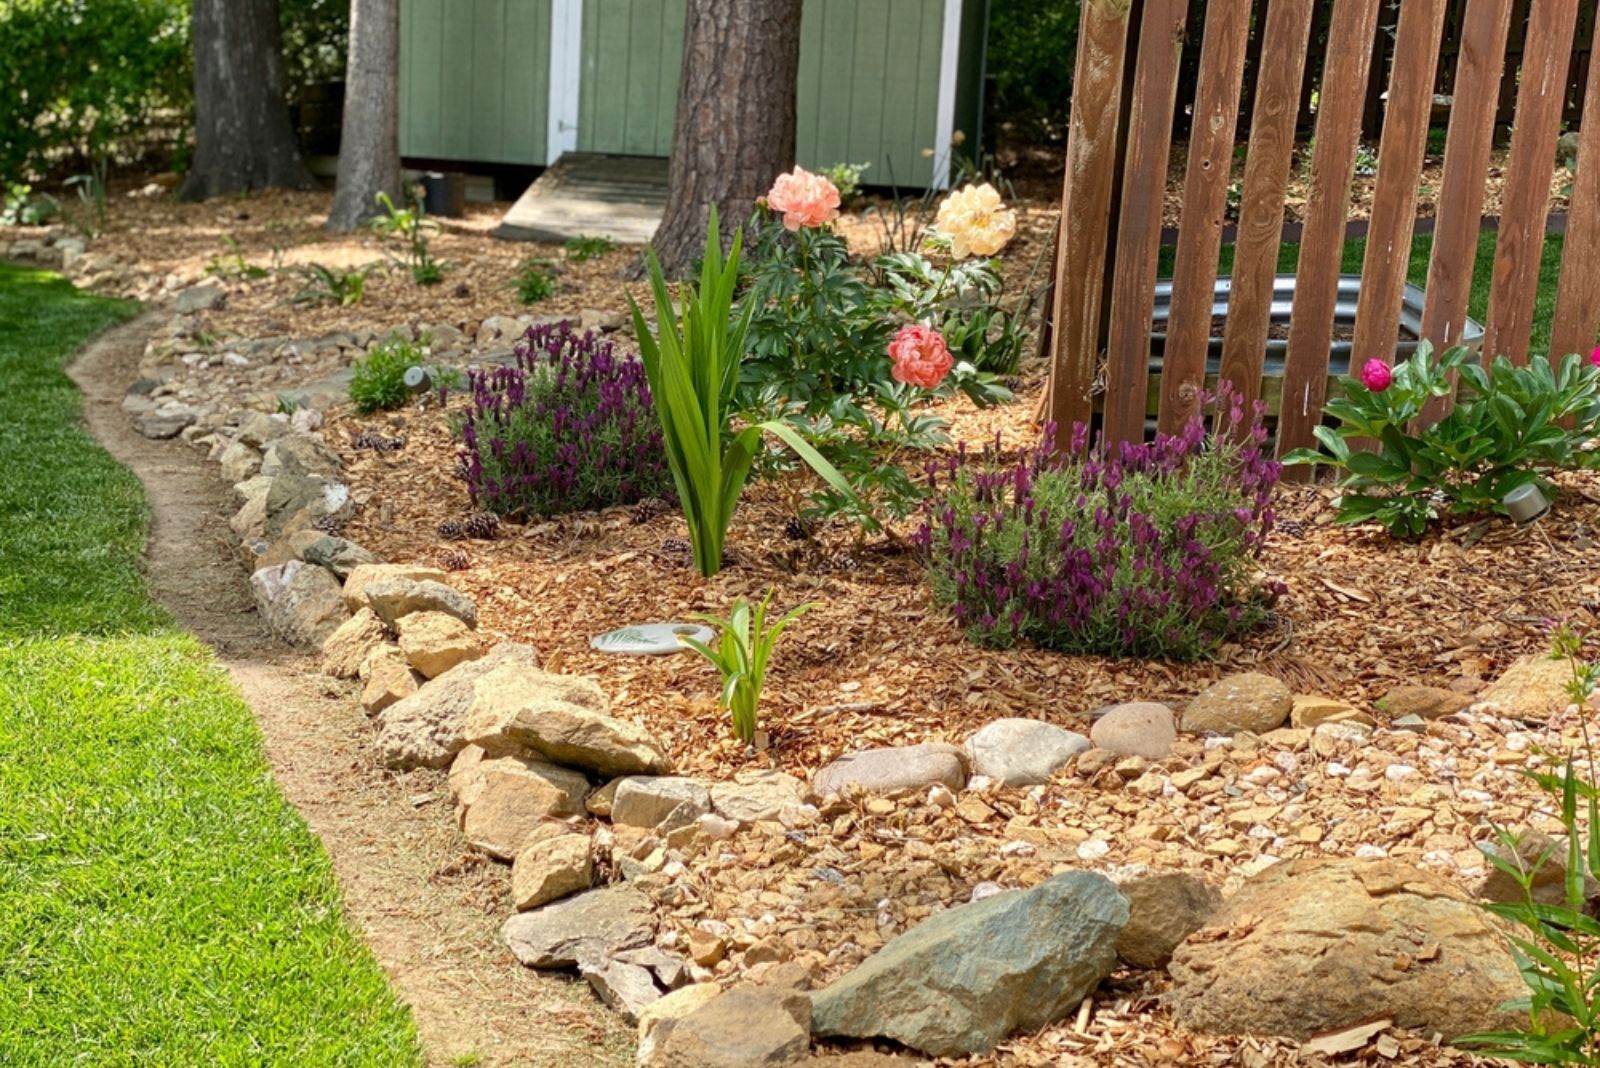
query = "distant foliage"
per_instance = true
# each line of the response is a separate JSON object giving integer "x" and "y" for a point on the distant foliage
{"x": 1142, "y": 550}
{"x": 79, "y": 77}
{"x": 535, "y": 281}
{"x": 585, "y": 247}
{"x": 378, "y": 383}
{"x": 1031, "y": 45}
{"x": 569, "y": 428}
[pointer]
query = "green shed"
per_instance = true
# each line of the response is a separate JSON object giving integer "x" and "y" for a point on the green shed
{"x": 519, "y": 82}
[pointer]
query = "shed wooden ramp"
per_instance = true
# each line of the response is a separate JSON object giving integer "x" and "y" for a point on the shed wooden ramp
{"x": 588, "y": 195}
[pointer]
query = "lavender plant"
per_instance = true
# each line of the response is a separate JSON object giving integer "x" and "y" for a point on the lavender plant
{"x": 571, "y": 427}
{"x": 1141, "y": 550}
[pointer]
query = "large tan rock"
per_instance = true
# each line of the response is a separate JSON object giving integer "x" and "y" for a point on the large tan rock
{"x": 1164, "y": 908}
{"x": 756, "y": 795}
{"x": 1144, "y": 729}
{"x": 550, "y": 868}
{"x": 386, "y": 679}
{"x": 659, "y": 802}
{"x": 1429, "y": 702}
{"x": 428, "y": 729}
{"x": 898, "y": 769}
{"x": 1319, "y": 945}
{"x": 435, "y": 642}
{"x": 394, "y": 599}
{"x": 346, "y": 648}
{"x": 1310, "y": 711}
{"x": 364, "y": 575}
{"x": 503, "y": 801}
{"x": 1249, "y": 701}
{"x": 520, "y": 708}
{"x": 748, "y": 1026}
{"x": 1533, "y": 688}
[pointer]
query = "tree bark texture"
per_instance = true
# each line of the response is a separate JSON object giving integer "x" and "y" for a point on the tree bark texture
{"x": 243, "y": 138}
{"x": 735, "y": 126}
{"x": 369, "y": 144}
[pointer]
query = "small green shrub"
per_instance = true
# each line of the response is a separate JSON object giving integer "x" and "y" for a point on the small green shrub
{"x": 22, "y": 207}
{"x": 1507, "y": 429}
{"x": 323, "y": 285}
{"x": 742, "y": 654}
{"x": 535, "y": 281}
{"x": 411, "y": 226}
{"x": 584, "y": 247}
{"x": 1558, "y": 952}
{"x": 232, "y": 263}
{"x": 378, "y": 382}
{"x": 846, "y": 178}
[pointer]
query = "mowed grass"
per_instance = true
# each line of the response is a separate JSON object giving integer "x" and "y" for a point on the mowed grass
{"x": 160, "y": 903}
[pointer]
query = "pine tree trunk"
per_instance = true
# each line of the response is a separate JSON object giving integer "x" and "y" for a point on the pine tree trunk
{"x": 735, "y": 127}
{"x": 369, "y": 145}
{"x": 243, "y": 138}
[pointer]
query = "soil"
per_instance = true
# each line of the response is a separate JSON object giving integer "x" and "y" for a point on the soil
{"x": 429, "y": 908}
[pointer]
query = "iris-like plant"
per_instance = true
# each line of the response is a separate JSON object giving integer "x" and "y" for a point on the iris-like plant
{"x": 1558, "y": 952}
{"x": 741, "y": 653}
{"x": 1510, "y": 427}
{"x": 1141, "y": 550}
{"x": 692, "y": 360}
{"x": 411, "y": 225}
{"x": 570, "y": 427}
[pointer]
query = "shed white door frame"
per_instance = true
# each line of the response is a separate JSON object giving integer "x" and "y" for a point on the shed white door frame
{"x": 949, "y": 61}
{"x": 566, "y": 75}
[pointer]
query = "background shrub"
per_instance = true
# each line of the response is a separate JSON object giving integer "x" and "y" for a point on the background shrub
{"x": 570, "y": 428}
{"x": 1144, "y": 550}
{"x": 378, "y": 383}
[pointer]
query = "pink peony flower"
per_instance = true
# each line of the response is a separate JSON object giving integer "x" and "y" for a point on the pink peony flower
{"x": 804, "y": 199}
{"x": 1376, "y": 376}
{"x": 920, "y": 356}
{"x": 1594, "y": 357}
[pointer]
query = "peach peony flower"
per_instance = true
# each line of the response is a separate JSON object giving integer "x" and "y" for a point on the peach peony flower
{"x": 920, "y": 356}
{"x": 804, "y": 199}
{"x": 976, "y": 222}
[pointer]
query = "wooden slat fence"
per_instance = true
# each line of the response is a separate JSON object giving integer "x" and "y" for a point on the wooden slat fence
{"x": 1250, "y": 63}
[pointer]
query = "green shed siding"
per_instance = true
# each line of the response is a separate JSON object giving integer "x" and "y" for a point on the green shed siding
{"x": 869, "y": 86}
{"x": 475, "y": 80}
{"x": 628, "y": 89}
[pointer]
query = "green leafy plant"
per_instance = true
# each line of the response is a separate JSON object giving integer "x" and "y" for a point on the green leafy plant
{"x": 741, "y": 653}
{"x": 411, "y": 226}
{"x": 846, "y": 178}
{"x": 89, "y": 217}
{"x": 324, "y": 285}
{"x": 583, "y": 248}
{"x": 378, "y": 382}
{"x": 22, "y": 207}
{"x": 535, "y": 281}
{"x": 1558, "y": 951}
{"x": 692, "y": 360}
{"x": 1511, "y": 426}
{"x": 232, "y": 264}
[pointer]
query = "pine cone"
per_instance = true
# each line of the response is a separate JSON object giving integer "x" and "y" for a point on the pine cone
{"x": 648, "y": 508}
{"x": 1291, "y": 528}
{"x": 797, "y": 529}
{"x": 452, "y": 530}
{"x": 329, "y": 524}
{"x": 482, "y": 525}
{"x": 455, "y": 560}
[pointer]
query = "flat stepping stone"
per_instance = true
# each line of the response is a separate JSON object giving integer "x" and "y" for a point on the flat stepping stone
{"x": 650, "y": 639}
{"x": 895, "y": 770}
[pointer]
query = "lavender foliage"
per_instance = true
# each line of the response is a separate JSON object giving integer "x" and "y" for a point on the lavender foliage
{"x": 1137, "y": 550}
{"x": 569, "y": 428}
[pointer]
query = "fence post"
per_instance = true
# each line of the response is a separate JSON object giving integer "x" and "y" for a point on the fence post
{"x": 1578, "y": 296}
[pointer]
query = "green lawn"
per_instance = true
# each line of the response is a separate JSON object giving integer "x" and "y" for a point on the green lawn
{"x": 160, "y": 903}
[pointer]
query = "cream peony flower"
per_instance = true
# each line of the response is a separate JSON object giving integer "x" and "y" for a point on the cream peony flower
{"x": 976, "y": 221}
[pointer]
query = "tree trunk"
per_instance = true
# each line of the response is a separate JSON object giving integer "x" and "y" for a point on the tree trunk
{"x": 243, "y": 139}
{"x": 735, "y": 126}
{"x": 369, "y": 145}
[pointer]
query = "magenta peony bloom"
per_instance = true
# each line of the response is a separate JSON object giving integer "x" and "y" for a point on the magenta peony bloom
{"x": 920, "y": 356}
{"x": 1594, "y": 357}
{"x": 1376, "y": 376}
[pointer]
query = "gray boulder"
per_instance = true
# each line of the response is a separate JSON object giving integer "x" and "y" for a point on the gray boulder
{"x": 338, "y": 555}
{"x": 592, "y": 926}
{"x": 895, "y": 770}
{"x": 299, "y": 602}
{"x": 301, "y": 454}
{"x": 397, "y": 597}
{"x": 960, "y": 982}
{"x": 1022, "y": 752}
